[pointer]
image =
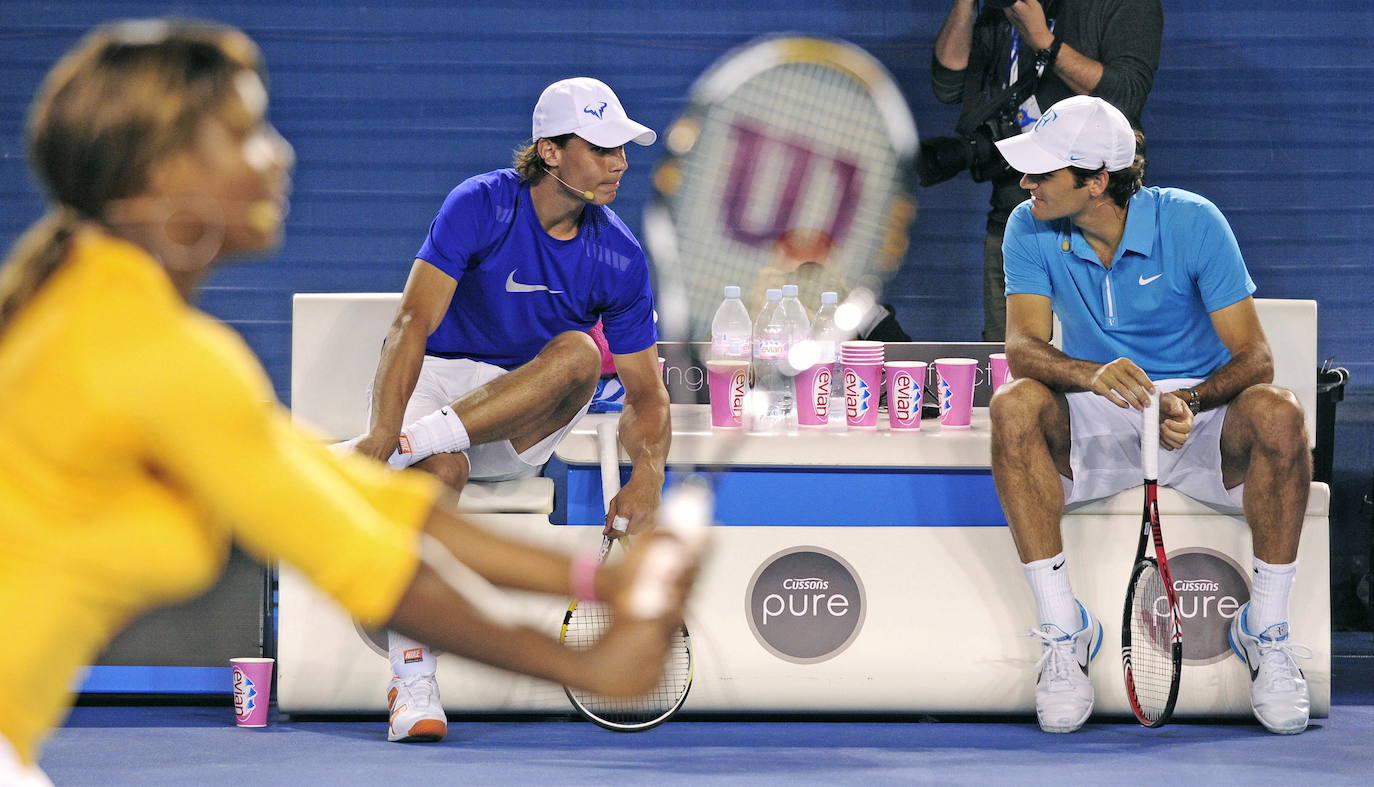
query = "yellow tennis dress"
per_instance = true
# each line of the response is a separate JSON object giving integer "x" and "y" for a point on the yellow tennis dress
{"x": 137, "y": 438}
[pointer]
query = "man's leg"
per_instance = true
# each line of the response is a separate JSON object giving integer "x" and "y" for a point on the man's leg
{"x": 525, "y": 406}
{"x": 1264, "y": 445}
{"x": 1030, "y": 451}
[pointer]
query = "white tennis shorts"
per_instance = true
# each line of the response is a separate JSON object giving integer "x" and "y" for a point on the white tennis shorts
{"x": 1105, "y": 452}
{"x": 441, "y": 381}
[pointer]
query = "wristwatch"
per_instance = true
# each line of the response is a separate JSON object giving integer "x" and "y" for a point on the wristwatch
{"x": 1194, "y": 400}
{"x": 1045, "y": 57}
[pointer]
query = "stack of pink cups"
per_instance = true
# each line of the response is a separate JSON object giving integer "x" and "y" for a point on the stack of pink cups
{"x": 861, "y": 363}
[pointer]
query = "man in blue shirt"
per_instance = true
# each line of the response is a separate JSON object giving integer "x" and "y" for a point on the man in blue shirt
{"x": 488, "y": 363}
{"x": 1153, "y": 295}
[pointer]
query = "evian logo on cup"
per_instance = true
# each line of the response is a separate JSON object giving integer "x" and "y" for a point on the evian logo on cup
{"x": 245, "y": 694}
{"x": 946, "y": 396}
{"x": 739, "y": 387}
{"x": 903, "y": 396}
{"x": 820, "y": 393}
{"x": 805, "y": 604}
{"x": 1211, "y": 590}
{"x": 856, "y": 395}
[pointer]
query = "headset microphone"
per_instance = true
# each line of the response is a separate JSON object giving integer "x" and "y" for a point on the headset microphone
{"x": 586, "y": 195}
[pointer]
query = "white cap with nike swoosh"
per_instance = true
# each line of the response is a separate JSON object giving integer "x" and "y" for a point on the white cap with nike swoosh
{"x": 588, "y": 108}
{"x": 1082, "y": 131}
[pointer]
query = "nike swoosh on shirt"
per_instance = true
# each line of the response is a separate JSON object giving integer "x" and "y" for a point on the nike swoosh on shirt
{"x": 1144, "y": 281}
{"x": 514, "y": 286}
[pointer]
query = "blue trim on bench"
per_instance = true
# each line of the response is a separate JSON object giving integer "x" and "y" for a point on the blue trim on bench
{"x": 805, "y": 497}
{"x": 106, "y": 679}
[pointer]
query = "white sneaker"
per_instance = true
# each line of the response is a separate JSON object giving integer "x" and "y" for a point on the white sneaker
{"x": 417, "y": 716}
{"x": 1064, "y": 692}
{"x": 1278, "y": 690}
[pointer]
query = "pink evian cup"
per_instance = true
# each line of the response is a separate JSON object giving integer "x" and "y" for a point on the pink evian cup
{"x": 905, "y": 385}
{"x": 252, "y": 690}
{"x": 813, "y": 396}
{"x": 728, "y": 382}
{"x": 998, "y": 373}
{"x": 956, "y": 391}
{"x": 862, "y": 384}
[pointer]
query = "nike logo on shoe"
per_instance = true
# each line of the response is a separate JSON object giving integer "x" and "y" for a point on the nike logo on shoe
{"x": 1058, "y": 566}
{"x": 1144, "y": 281}
{"x": 514, "y": 286}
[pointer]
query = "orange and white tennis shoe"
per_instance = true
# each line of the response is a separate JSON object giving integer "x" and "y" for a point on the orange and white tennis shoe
{"x": 417, "y": 715}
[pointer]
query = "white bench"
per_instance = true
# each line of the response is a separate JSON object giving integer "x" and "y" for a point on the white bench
{"x": 919, "y": 580}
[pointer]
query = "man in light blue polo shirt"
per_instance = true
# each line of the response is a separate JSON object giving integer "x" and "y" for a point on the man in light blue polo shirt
{"x": 1153, "y": 295}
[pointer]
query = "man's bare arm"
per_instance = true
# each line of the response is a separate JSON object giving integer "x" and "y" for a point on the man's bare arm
{"x": 427, "y": 295}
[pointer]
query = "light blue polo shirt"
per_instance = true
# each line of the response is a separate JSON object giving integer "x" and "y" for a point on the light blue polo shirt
{"x": 1177, "y": 262}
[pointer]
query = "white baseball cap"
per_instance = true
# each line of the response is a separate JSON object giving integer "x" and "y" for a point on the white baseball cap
{"x": 588, "y": 108}
{"x": 1083, "y": 131}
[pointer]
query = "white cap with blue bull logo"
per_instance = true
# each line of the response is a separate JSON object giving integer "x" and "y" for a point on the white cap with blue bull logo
{"x": 588, "y": 108}
{"x": 1082, "y": 131}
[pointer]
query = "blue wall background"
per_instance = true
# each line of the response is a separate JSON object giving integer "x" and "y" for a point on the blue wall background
{"x": 1264, "y": 107}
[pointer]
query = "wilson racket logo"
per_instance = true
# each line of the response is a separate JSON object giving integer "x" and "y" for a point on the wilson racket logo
{"x": 820, "y": 393}
{"x": 1211, "y": 590}
{"x": 770, "y": 177}
{"x": 857, "y": 395}
{"x": 805, "y": 604}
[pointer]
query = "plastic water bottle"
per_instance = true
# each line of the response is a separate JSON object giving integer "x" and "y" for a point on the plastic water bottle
{"x": 827, "y": 338}
{"x": 732, "y": 333}
{"x": 772, "y": 340}
{"x": 798, "y": 321}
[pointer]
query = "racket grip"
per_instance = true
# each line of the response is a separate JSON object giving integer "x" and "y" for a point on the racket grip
{"x": 608, "y": 453}
{"x": 1149, "y": 437}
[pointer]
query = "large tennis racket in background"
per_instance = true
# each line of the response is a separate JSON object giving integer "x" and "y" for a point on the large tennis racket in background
{"x": 1151, "y": 626}
{"x": 792, "y": 163}
{"x": 586, "y": 621}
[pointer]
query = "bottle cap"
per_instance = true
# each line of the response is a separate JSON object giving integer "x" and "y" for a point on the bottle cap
{"x": 789, "y": 290}
{"x": 732, "y": 291}
{"x": 773, "y": 294}
{"x": 829, "y": 298}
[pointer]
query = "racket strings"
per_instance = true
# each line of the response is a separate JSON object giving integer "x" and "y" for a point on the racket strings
{"x": 814, "y": 117}
{"x": 1152, "y": 628}
{"x": 585, "y": 626}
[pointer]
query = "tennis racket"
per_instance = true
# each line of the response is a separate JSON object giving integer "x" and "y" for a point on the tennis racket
{"x": 586, "y": 621}
{"x": 792, "y": 163}
{"x": 1151, "y": 626}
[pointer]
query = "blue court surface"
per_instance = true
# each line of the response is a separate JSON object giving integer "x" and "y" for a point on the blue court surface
{"x": 198, "y": 745}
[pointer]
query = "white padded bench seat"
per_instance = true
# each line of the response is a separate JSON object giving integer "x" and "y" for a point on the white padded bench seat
{"x": 521, "y": 496}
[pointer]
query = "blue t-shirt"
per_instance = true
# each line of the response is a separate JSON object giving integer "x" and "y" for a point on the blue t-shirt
{"x": 518, "y": 287}
{"x": 1177, "y": 262}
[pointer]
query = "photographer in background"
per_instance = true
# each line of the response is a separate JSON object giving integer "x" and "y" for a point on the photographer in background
{"x": 1006, "y": 62}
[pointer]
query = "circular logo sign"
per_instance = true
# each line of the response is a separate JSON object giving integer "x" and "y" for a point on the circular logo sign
{"x": 805, "y": 604}
{"x": 1211, "y": 590}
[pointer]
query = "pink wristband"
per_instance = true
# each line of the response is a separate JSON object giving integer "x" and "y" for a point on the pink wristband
{"x": 582, "y": 576}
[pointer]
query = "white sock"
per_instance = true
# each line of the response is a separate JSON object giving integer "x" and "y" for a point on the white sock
{"x": 440, "y": 432}
{"x": 1269, "y": 598}
{"x": 408, "y": 657}
{"x": 1049, "y": 581}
